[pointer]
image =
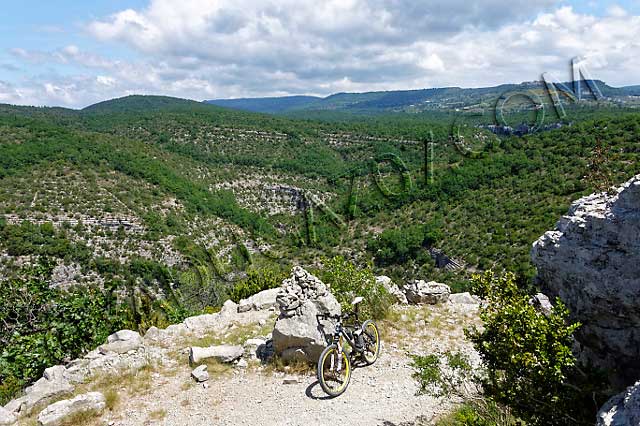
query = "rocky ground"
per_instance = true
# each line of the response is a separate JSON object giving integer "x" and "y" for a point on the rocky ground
{"x": 250, "y": 391}
{"x": 382, "y": 394}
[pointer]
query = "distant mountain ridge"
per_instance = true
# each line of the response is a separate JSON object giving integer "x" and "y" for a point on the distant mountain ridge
{"x": 403, "y": 100}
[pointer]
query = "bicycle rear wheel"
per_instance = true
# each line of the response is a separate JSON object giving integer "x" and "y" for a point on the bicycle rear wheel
{"x": 334, "y": 371}
{"x": 371, "y": 342}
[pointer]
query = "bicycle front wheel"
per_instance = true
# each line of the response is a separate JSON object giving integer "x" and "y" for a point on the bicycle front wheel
{"x": 334, "y": 371}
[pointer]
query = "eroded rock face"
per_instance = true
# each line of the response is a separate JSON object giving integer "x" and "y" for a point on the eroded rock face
{"x": 298, "y": 333}
{"x": 56, "y": 414}
{"x": 422, "y": 292}
{"x": 592, "y": 262}
{"x": 622, "y": 409}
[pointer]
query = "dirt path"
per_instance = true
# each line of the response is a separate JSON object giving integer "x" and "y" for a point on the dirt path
{"x": 381, "y": 394}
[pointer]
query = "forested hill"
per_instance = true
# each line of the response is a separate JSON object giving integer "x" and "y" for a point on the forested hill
{"x": 446, "y": 98}
{"x": 175, "y": 205}
{"x": 250, "y": 171}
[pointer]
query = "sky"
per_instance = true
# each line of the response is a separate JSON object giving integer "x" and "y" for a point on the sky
{"x": 72, "y": 53}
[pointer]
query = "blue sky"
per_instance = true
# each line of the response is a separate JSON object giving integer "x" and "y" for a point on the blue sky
{"x": 72, "y": 53}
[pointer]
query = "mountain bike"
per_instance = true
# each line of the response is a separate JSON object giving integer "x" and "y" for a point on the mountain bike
{"x": 348, "y": 343}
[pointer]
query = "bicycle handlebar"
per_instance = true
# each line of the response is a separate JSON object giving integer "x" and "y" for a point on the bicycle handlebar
{"x": 337, "y": 317}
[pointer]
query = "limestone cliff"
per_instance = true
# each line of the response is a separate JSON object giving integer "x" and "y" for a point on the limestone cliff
{"x": 592, "y": 262}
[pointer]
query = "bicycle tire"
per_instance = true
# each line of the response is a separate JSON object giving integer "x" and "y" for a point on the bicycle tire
{"x": 375, "y": 340}
{"x": 322, "y": 370}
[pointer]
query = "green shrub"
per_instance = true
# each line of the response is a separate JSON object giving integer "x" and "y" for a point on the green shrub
{"x": 480, "y": 412}
{"x": 348, "y": 281}
{"x": 397, "y": 246}
{"x": 257, "y": 280}
{"x": 43, "y": 326}
{"x": 529, "y": 363}
{"x": 528, "y": 367}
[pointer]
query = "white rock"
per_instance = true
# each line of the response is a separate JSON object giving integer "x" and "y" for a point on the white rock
{"x": 41, "y": 392}
{"x": 57, "y": 413}
{"x": 202, "y": 322}
{"x": 260, "y": 301}
{"x": 392, "y": 289}
{"x": 122, "y": 342}
{"x": 622, "y": 409}
{"x": 200, "y": 374}
{"x": 221, "y": 353}
{"x": 463, "y": 299}
{"x": 297, "y": 331}
{"x": 421, "y": 292}
{"x": 591, "y": 261}
{"x": 242, "y": 363}
{"x": 542, "y": 303}
{"x": 251, "y": 347}
{"x": 7, "y": 418}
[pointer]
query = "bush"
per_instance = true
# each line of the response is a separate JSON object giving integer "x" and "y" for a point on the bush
{"x": 397, "y": 246}
{"x": 257, "y": 280}
{"x": 480, "y": 413}
{"x": 529, "y": 363}
{"x": 528, "y": 366}
{"x": 44, "y": 326}
{"x": 347, "y": 281}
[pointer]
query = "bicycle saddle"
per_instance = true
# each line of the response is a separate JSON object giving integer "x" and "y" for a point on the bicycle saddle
{"x": 357, "y": 300}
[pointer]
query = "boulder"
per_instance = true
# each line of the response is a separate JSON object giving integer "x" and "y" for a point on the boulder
{"x": 392, "y": 288}
{"x": 591, "y": 261}
{"x": 221, "y": 353}
{"x": 260, "y": 301}
{"x": 7, "y": 418}
{"x": 154, "y": 335}
{"x": 41, "y": 392}
{"x": 122, "y": 342}
{"x": 206, "y": 322}
{"x": 542, "y": 304}
{"x": 200, "y": 374}
{"x": 463, "y": 299}
{"x": 61, "y": 411}
{"x": 421, "y": 292}
{"x": 622, "y": 409}
{"x": 298, "y": 330}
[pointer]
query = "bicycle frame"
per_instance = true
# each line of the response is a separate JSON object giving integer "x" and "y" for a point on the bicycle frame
{"x": 340, "y": 331}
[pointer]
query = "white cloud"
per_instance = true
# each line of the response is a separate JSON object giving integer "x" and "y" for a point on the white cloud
{"x": 229, "y": 48}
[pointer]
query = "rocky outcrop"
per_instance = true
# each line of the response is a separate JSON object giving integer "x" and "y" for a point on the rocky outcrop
{"x": 592, "y": 262}
{"x": 51, "y": 386}
{"x": 127, "y": 352}
{"x": 220, "y": 353}
{"x": 422, "y": 292}
{"x": 56, "y": 414}
{"x": 264, "y": 300}
{"x": 622, "y": 409}
{"x": 392, "y": 289}
{"x": 122, "y": 342}
{"x": 298, "y": 333}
